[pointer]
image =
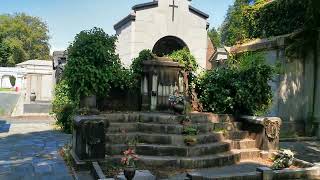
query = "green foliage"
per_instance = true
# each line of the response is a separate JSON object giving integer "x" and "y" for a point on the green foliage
{"x": 136, "y": 66}
{"x": 93, "y": 67}
{"x": 215, "y": 37}
{"x": 185, "y": 58}
{"x": 63, "y": 106}
{"x": 239, "y": 88}
{"x": 190, "y": 130}
{"x": 12, "y": 80}
{"x": 22, "y": 37}
{"x": 266, "y": 19}
{"x": 283, "y": 159}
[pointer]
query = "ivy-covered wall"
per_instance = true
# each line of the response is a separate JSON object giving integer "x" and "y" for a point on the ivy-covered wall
{"x": 267, "y": 18}
{"x": 297, "y": 87}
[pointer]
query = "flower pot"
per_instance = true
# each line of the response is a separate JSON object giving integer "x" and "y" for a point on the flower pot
{"x": 178, "y": 108}
{"x": 88, "y": 102}
{"x": 33, "y": 96}
{"x": 129, "y": 172}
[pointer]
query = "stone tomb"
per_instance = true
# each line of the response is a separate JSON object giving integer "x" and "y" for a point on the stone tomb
{"x": 162, "y": 77}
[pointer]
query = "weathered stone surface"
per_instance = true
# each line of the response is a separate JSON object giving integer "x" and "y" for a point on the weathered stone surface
{"x": 140, "y": 175}
{"x": 89, "y": 138}
{"x": 29, "y": 151}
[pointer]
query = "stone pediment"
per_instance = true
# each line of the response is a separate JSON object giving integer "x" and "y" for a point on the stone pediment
{"x": 154, "y": 4}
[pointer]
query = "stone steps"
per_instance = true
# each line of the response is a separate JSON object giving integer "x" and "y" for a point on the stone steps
{"x": 247, "y": 154}
{"x": 146, "y": 138}
{"x": 170, "y": 128}
{"x": 242, "y": 144}
{"x": 164, "y": 118}
{"x": 171, "y": 150}
{"x": 159, "y": 141}
{"x": 221, "y": 159}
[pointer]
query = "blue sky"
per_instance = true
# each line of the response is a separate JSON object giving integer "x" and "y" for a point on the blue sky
{"x": 66, "y": 18}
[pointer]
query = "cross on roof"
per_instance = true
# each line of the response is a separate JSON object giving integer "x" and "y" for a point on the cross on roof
{"x": 173, "y": 7}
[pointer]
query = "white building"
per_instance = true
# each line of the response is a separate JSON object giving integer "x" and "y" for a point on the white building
{"x": 39, "y": 78}
{"x": 163, "y": 26}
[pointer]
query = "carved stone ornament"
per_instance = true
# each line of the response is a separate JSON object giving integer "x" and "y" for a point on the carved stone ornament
{"x": 272, "y": 128}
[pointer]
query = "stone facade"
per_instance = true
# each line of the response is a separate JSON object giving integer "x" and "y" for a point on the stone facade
{"x": 39, "y": 79}
{"x": 150, "y": 22}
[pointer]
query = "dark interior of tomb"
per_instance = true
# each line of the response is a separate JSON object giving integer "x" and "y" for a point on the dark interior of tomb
{"x": 167, "y": 45}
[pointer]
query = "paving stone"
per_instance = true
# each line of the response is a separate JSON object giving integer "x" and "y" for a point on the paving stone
{"x": 42, "y": 169}
{"x": 29, "y": 151}
{"x": 140, "y": 175}
{"x": 5, "y": 169}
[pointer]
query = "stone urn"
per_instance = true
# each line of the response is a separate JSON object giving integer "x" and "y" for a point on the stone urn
{"x": 88, "y": 102}
{"x": 33, "y": 96}
{"x": 129, "y": 172}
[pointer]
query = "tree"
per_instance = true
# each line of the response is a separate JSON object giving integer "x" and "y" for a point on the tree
{"x": 234, "y": 27}
{"x": 93, "y": 67}
{"x": 215, "y": 37}
{"x": 22, "y": 37}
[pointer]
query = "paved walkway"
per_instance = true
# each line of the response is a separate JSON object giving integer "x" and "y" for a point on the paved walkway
{"x": 29, "y": 150}
{"x": 304, "y": 150}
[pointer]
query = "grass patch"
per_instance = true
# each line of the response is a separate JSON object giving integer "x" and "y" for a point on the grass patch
{"x": 2, "y": 111}
{"x": 5, "y": 89}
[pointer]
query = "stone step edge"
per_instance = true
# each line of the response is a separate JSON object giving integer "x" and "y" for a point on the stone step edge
{"x": 162, "y": 134}
{"x": 221, "y": 143}
{"x": 244, "y": 175}
{"x": 170, "y": 158}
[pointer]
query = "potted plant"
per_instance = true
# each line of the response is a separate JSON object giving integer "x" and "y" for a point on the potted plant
{"x": 176, "y": 102}
{"x": 190, "y": 140}
{"x": 129, "y": 162}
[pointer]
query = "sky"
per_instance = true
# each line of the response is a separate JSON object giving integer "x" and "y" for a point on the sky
{"x": 66, "y": 18}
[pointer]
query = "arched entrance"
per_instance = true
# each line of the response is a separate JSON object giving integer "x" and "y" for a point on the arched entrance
{"x": 167, "y": 45}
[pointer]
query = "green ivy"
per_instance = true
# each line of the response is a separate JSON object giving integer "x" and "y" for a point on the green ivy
{"x": 239, "y": 88}
{"x": 266, "y": 19}
{"x": 63, "y": 106}
{"x": 185, "y": 58}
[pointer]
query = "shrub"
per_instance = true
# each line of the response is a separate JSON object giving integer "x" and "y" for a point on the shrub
{"x": 63, "y": 106}
{"x": 136, "y": 65}
{"x": 190, "y": 130}
{"x": 239, "y": 88}
{"x": 185, "y": 58}
{"x": 12, "y": 81}
{"x": 93, "y": 65}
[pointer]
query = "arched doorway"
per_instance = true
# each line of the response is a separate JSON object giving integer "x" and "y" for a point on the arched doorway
{"x": 167, "y": 45}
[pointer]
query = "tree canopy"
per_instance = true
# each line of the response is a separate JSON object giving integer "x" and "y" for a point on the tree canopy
{"x": 247, "y": 19}
{"x": 22, "y": 37}
{"x": 215, "y": 37}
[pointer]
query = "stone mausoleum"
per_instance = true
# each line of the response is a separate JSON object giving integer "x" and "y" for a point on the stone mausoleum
{"x": 163, "y": 26}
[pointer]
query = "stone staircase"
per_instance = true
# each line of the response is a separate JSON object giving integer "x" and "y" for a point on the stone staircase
{"x": 159, "y": 141}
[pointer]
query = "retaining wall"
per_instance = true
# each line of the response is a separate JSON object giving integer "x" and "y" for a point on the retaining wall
{"x": 296, "y": 90}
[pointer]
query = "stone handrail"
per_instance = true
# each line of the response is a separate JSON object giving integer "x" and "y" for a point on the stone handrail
{"x": 265, "y": 130}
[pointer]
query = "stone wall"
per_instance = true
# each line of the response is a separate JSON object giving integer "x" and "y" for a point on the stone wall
{"x": 119, "y": 100}
{"x": 8, "y": 102}
{"x": 296, "y": 90}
